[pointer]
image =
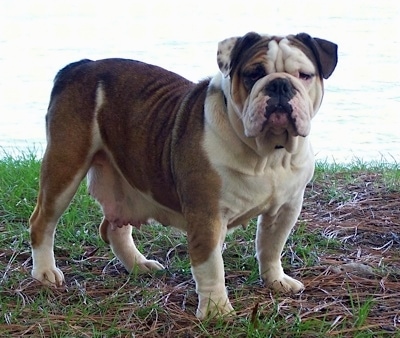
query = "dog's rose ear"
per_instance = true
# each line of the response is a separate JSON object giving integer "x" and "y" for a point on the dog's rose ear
{"x": 224, "y": 55}
{"x": 324, "y": 51}
{"x": 231, "y": 50}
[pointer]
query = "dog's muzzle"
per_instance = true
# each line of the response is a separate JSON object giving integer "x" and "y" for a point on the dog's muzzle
{"x": 278, "y": 112}
{"x": 280, "y": 91}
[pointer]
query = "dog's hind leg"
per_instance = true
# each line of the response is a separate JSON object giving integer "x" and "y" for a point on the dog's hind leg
{"x": 66, "y": 161}
{"x": 73, "y": 138}
{"x": 61, "y": 173}
{"x": 58, "y": 184}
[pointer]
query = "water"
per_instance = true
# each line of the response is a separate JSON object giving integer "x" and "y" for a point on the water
{"x": 360, "y": 115}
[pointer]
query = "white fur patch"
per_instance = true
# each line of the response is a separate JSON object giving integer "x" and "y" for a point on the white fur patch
{"x": 294, "y": 60}
{"x": 274, "y": 62}
{"x": 224, "y": 55}
{"x": 272, "y": 233}
{"x": 44, "y": 265}
{"x": 210, "y": 286}
{"x": 100, "y": 97}
{"x": 122, "y": 245}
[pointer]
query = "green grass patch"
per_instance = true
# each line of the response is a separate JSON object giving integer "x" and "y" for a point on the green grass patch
{"x": 101, "y": 300}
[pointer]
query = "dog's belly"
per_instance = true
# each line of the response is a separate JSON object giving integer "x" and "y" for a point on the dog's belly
{"x": 123, "y": 204}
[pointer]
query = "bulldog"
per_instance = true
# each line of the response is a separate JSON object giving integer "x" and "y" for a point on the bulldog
{"x": 204, "y": 157}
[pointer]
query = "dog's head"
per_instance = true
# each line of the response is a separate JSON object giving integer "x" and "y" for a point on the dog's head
{"x": 275, "y": 84}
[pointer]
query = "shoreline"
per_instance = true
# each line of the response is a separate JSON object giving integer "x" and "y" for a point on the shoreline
{"x": 37, "y": 149}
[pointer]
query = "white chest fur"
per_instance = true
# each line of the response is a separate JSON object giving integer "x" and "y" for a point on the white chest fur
{"x": 252, "y": 184}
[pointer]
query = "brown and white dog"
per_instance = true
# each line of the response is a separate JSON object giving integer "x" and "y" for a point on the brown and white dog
{"x": 203, "y": 157}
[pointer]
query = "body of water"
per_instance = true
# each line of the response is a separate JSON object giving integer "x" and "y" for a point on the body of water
{"x": 360, "y": 115}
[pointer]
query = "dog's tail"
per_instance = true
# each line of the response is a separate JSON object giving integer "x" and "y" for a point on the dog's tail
{"x": 68, "y": 68}
{"x": 64, "y": 75}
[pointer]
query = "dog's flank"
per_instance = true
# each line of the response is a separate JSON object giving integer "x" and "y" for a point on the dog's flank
{"x": 203, "y": 157}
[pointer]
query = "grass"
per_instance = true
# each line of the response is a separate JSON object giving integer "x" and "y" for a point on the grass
{"x": 350, "y": 218}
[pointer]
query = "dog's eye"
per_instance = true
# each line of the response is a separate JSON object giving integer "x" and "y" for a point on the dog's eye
{"x": 305, "y": 76}
{"x": 251, "y": 77}
{"x": 256, "y": 75}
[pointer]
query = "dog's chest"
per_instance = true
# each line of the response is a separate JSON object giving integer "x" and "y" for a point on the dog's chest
{"x": 245, "y": 196}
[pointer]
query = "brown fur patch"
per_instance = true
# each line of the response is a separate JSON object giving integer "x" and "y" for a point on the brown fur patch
{"x": 151, "y": 124}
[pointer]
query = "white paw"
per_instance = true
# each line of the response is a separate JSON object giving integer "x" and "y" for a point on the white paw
{"x": 50, "y": 276}
{"x": 209, "y": 308}
{"x": 147, "y": 265}
{"x": 286, "y": 284}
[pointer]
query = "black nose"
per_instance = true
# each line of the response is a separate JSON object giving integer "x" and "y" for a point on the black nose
{"x": 280, "y": 87}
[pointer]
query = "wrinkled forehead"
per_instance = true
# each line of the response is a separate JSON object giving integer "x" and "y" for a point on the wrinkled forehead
{"x": 278, "y": 54}
{"x": 286, "y": 54}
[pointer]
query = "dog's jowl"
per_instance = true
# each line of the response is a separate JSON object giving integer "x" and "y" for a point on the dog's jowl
{"x": 204, "y": 157}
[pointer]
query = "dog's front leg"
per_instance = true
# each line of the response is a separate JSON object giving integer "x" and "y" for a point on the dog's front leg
{"x": 272, "y": 233}
{"x": 205, "y": 250}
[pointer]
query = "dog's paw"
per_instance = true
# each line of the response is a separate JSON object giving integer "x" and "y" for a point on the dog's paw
{"x": 209, "y": 308}
{"x": 51, "y": 276}
{"x": 147, "y": 265}
{"x": 286, "y": 284}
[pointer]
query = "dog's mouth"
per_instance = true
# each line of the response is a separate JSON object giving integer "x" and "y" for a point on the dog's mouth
{"x": 278, "y": 117}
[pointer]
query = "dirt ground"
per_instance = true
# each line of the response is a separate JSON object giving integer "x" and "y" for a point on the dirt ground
{"x": 352, "y": 284}
{"x": 364, "y": 271}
